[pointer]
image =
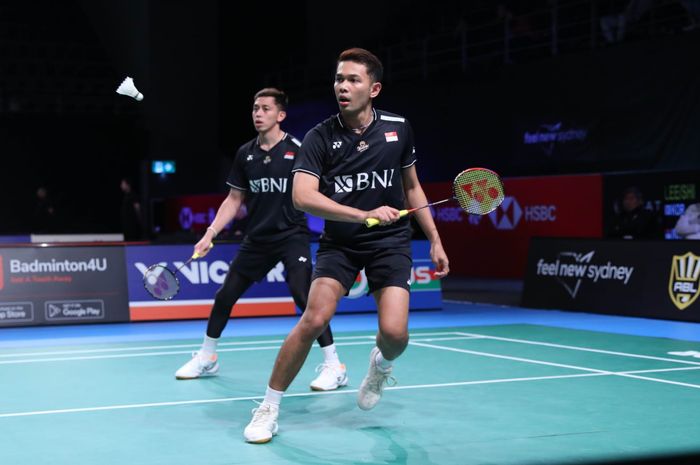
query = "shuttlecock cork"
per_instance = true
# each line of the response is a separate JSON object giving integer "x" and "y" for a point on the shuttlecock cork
{"x": 128, "y": 88}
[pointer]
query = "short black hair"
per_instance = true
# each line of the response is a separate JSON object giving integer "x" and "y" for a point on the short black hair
{"x": 281, "y": 99}
{"x": 374, "y": 66}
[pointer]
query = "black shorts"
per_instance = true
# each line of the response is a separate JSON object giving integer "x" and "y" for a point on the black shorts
{"x": 383, "y": 267}
{"x": 255, "y": 259}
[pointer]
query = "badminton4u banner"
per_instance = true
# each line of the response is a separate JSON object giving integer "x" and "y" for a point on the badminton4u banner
{"x": 200, "y": 279}
{"x": 62, "y": 285}
{"x": 655, "y": 279}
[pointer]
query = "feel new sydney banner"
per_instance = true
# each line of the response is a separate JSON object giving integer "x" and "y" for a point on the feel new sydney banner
{"x": 200, "y": 279}
{"x": 654, "y": 279}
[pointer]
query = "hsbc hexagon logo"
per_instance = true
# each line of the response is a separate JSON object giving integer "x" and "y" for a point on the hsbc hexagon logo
{"x": 507, "y": 215}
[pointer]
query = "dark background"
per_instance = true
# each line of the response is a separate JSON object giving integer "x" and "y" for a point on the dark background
{"x": 472, "y": 79}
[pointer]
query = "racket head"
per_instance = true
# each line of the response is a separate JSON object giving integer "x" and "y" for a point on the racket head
{"x": 161, "y": 282}
{"x": 479, "y": 191}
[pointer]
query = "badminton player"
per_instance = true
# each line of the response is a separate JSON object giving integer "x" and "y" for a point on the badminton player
{"x": 276, "y": 231}
{"x": 356, "y": 165}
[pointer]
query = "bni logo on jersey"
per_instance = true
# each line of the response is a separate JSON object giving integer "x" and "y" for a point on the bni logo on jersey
{"x": 363, "y": 181}
{"x": 683, "y": 282}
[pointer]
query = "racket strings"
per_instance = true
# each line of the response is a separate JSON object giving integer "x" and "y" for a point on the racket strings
{"x": 478, "y": 191}
{"x": 160, "y": 282}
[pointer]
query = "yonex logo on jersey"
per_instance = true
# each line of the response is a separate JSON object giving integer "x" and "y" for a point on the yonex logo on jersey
{"x": 363, "y": 181}
{"x": 303, "y": 259}
{"x": 337, "y": 144}
{"x": 267, "y": 159}
{"x": 362, "y": 146}
{"x": 249, "y": 157}
{"x": 391, "y": 136}
{"x": 268, "y": 185}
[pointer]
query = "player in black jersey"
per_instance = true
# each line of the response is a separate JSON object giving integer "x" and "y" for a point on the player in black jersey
{"x": 356, "y": 165}
{"x": 276, "y": 231}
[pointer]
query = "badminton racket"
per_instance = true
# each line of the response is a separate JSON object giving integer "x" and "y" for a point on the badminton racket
{"x": 161, "y": 282}
{"x": 479, "y": 191}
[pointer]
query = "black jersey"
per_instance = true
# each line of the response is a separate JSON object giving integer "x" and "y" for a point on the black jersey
{"x": 266, "y": 180}
{"x": 361, "y": 171}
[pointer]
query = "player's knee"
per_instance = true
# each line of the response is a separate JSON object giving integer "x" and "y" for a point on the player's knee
{"x": 314, "y": 323}
{"x": 396, "y": 337}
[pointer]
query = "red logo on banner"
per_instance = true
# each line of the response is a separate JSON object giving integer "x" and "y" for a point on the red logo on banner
{"x": 2, "y": 276}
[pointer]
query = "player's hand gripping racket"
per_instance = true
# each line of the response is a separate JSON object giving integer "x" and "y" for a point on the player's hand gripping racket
{"x": 479, "y": 191}
{"x": 161, "y": 281}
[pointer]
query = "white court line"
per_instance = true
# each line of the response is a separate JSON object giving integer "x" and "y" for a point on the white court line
{"x": 182, "y": 346}
{"x": 326, "y": 393}
{"x": 541, "y": 362}
{"x": 367, "y": 341}
{"x": 582, "y": 349}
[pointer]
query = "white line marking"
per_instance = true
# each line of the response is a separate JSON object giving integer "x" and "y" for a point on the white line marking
{"x": 303, "y": 394}
{"x": 541, "y": 362}
{"x": 344, "y": 391}
{"x": 507, "y": 357}
{"x": 364, "y": 341}
{"x": 583, "y": 349}
{"x": 183, "y": 346}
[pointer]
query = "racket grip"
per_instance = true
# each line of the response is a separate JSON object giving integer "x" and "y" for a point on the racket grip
{"x": 195, "y": 255}
{"x": 373, "y": 221}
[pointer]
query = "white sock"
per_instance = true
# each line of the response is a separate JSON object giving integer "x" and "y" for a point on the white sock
{"x": 273, "y": 397}
{"x": 209, "y": 345}
{"x": 382, "y": 362}
{"x": 330, "y": 356}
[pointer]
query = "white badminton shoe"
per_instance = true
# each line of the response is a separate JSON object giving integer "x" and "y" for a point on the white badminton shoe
{"x": 330, "y": 377}
{"x": 263, "y": 425}
{"x": 201, "y": 364}
{"x": 372, "y": 386}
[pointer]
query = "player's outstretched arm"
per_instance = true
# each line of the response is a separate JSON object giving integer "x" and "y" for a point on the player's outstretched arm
{"x": 227, "y": 211}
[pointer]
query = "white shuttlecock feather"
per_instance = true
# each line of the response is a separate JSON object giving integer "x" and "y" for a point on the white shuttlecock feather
{"x": 128, "y": 88}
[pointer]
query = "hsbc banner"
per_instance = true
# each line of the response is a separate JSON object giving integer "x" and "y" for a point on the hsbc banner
{"x": 191, "y": 212}
{"x": 496, "y": 245}
{"x": 654, "y": 279}
{"x": 62, "y": 285}
{"x": 200, "y": 279}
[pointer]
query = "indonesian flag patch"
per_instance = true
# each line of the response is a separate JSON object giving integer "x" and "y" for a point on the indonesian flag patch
{"x": 391, "y": 136}
{"x": 289, "y": 156}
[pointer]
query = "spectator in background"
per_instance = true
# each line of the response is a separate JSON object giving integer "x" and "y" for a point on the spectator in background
{"x": 688, "y": 225}
{"x": 44, "y": 218}
{"x": 692, "y": 7}
{"x": 633, "y": 221}
{"x": 613, "y": 26}
{"x": 131, "y": 218}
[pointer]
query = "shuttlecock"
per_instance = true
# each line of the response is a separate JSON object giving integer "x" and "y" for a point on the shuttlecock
{"x": 128, "y": 88}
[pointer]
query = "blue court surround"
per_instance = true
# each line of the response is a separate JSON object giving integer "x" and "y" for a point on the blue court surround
{"x": 453, "y": 314}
